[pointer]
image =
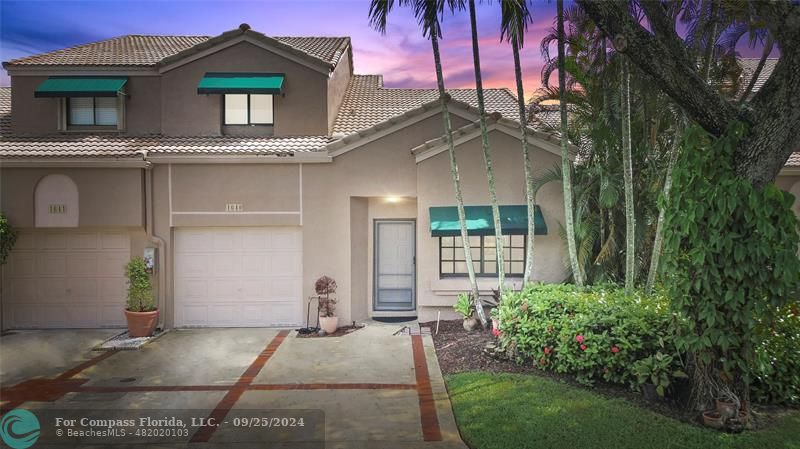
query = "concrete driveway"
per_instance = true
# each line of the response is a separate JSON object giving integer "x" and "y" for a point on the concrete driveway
{"x": 233, "y": 388}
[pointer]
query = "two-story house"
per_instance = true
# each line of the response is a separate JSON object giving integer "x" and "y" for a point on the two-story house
{"x": 252, "y": 165}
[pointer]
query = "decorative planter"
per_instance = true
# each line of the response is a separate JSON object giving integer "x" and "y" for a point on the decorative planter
{"x": 470, "y": 324}
{"x": 329, "y": 323}
{"x": 713, "y": 419}
{"x": 141, "y": 324}
{"x": 726, "y": 409}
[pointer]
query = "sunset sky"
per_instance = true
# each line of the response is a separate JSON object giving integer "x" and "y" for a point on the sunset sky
{"x": 402, "y": 55}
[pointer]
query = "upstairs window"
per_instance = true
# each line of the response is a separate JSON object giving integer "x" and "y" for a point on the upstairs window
{"x": 248, "y": 109}
{"x": 92, "y": 111}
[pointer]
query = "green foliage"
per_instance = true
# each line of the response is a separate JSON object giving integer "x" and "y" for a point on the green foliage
{"x": 7, "y": 238}
{"x": 777, "y": 370}
{"x": 140, "y": 287}
{"x": 464, "y": 305}
{"x": 596, "y": 333}
{"x": 657, "y": 369}
{"x": 730, "y": 256}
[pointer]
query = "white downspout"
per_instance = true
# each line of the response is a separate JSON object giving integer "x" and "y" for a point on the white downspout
{"x": 158, "y": 241}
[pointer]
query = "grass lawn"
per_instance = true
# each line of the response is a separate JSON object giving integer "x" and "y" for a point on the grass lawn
{"x": 516, "y": 411}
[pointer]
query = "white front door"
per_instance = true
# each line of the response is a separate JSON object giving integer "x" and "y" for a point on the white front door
{"x": 66, "y": 278}
{"x": 238, "y": 277}
{"x": 395, "y": 265}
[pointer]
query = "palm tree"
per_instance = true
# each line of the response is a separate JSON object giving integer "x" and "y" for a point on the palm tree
{"x": 630, "y": 218}
{"x": 427, "y": 14}
{"x": 514, "y": 22}
{"x": 487, "y": 154}
{"x": 566, "y": 165}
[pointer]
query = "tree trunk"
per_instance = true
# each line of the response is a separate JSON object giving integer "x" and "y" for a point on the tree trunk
{"x": 526, "y": 157}
{"x": 630, "y": 218}
{"x": 655, "y": 258}
{"x": 448, "y": 131}
{"x": 566, "y": 164}
{"x": 487, "y": 154}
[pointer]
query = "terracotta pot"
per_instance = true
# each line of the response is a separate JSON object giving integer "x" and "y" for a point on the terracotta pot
{"x": 713, "y": 419}
{"x": 141, "y": 324}
{"x": 727, "y": 409}
{"x": 329, "y": 323}
{"x": 470, "y": 324}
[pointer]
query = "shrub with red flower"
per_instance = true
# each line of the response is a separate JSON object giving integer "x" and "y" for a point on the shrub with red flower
{"x": 547, "y": 351}
{"x": 583, "y": 347}
{"x": 614, "y": 349}
{"x": 497, "y": 332}
{"x": 579, "y": 338}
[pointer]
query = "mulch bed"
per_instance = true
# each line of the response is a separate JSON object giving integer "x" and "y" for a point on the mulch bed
{"x": 344, "y": 330}
{"x": 461, "y": 351}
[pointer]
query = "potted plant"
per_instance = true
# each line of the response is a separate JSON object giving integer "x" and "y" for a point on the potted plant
{"x": 325, "y": 288}
{"x": 655, "y": 373}
{"x": 140, "y": 310}
{"x": 465, "y": 307}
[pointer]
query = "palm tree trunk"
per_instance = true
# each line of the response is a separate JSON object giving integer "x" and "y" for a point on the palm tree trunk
{"x": 566, "y": 165}
{"x": 526, "y": 157}
{"x": 655, "y": 258}
{"x": 487, "y": 154}
{"x": 630, "y": 218}
{"x": 448, "y": 131}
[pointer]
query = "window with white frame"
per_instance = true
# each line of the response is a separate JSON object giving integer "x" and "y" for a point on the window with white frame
{"x": 248, "y": 109}
{"x": 92, "y": 111}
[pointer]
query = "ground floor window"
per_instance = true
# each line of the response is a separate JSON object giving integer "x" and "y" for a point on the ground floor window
{"x": 452, "y": 262}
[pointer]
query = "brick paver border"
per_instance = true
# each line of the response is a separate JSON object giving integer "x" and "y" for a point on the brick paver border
{"x": 50, "y": 390}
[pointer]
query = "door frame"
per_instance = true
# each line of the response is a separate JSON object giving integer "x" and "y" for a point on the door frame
{"x": 376, "y": 247}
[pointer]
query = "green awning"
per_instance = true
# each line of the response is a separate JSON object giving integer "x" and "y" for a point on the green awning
{"x": 241, "y": 83}
{"x": 513, "y": 220}
{"x": 81, "y": 86}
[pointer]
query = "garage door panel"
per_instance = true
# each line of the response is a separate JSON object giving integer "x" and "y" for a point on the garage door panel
{"x": 238, "y": 276}
{"x": 84, "y": 241}
{"x": 51, "y": 265}
{"x": 67, "y": 279}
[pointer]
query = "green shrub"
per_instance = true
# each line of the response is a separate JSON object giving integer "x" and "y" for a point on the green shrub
{"x": 596, "y": 333}
{"x": 7, "y": 238}
{"x": 464, "y": 305}
{"x": 140, "y": 288}
{"x": 777, "y": 371}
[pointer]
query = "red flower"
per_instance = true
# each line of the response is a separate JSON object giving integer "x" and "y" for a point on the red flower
{"x": 579, "y": 338}
{"x": 496, "y": 332}
{"x": 547, "y": 350}
{"x": 614, "y": 349}
{"x": 583, "y": 347}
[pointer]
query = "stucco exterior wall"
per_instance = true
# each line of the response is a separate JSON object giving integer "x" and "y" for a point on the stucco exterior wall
{"x": 435, "y": 189}
{"x": 337, "y": 86}
{"x": 301, "y": 111}
{"x": 791, "y": 184}
{"x": 107, "y": 196}
{"x": 41, "y": 115}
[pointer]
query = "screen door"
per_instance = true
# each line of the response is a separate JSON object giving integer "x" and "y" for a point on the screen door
{"x": 395, "y": 265}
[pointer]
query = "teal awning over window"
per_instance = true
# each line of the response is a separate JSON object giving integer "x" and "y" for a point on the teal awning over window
{"x": 241, "y": 83}
{"x": 81, "y": 86}
{"x": 513, "y": 220}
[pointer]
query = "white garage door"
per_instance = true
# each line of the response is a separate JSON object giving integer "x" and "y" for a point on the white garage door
{"x": 66, "y": 279}
{"x": 238, "y": 277}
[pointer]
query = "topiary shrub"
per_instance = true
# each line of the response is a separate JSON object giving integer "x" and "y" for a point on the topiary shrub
{"x": 140, "y": 287}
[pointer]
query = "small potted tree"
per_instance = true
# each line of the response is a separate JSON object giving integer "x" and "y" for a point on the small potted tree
{"x": 325, "y": 288}
{"x": 465, "y": 307}
{"x": 140, "y": 311}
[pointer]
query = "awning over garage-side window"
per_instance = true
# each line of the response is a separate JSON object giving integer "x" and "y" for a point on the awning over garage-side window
{"x": 513, "y": 220}
{"x": 81, "y": 86}
{"x": 241, "y": 83}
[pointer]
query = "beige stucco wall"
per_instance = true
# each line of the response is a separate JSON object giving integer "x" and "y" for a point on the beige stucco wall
{"x": 337, "y": 86}
{"x": 791, "y": 184}
{"x": 435, "y": 189}
{"x": 41, "y": 115}
{"x": 107, "y": 196}
{"x": 301, "y": 111}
